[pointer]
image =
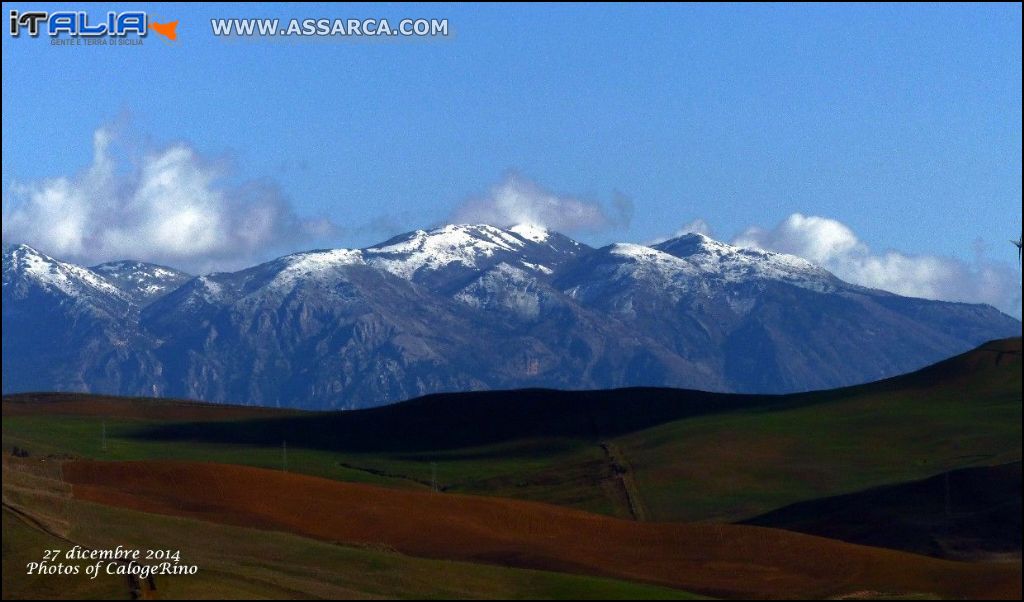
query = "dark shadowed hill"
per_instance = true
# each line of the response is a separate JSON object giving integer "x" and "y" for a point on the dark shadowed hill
{"x": 453, "y": 420}
{"x": 965, "y": 514}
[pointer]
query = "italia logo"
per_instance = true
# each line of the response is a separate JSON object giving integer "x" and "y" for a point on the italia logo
{"x": 79, "y": 24}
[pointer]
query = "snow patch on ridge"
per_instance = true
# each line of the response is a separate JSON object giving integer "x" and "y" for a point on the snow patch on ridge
{"x": 726, "y": 263}
{"x": 49, "y": 273}
{"x": 314, "y": 264}
{"x": 435, "y": 249}
{"x": 531, "y": 232}
{"x": 144, "y": 281}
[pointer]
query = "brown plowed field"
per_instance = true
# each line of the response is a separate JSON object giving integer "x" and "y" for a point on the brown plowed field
{"x": 722, "y": 560}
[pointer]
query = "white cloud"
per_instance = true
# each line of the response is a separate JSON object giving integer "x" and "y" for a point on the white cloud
{"x": 517, "y": 200}
{"x": 836, "y": 247}
{"x": 174, "y": 208}
{"x": 818, "y": 239}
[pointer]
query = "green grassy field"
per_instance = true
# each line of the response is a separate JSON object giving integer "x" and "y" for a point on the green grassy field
{"x": 728, "y": 467}
{"x": 566, "y": 471}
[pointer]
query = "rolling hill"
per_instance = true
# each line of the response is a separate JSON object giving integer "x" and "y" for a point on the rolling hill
{"x": 963, "y": 514}
{"x": 691, "y": 455}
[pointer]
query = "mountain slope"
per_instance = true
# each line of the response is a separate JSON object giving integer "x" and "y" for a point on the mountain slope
{"x": 473, "y": 307}
{"x": 67, "y": 328}
{"x": 332, "y": 331}
{"x": 768, "y": 322}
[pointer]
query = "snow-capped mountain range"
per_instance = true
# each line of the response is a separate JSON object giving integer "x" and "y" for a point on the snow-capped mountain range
{"x": 466, "y": 307}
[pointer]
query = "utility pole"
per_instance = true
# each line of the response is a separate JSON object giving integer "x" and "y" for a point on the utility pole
{"x": 284, "y": 455}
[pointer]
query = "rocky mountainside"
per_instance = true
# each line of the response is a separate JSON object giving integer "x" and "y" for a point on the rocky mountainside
{"x": 466, "y": 307}
{"x": 67, "y": 328}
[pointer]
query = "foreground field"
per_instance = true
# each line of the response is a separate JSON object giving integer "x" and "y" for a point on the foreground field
{"x": 637, "y": 488}
{"x": 249, "y": 563}
{"x": 722, "y": 560}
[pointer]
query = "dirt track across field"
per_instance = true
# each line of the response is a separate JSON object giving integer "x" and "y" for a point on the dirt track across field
{"x": 719, "y": 560}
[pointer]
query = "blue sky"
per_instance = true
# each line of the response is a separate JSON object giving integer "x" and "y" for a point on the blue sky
{"x": 902, "y": 123}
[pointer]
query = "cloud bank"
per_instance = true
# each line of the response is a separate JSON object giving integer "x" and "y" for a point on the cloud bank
{"x": 836, "y": 247}
{"x": 169, "y": 206}
{"x": 175, "y": 207}
{"x": 517, "y": 200}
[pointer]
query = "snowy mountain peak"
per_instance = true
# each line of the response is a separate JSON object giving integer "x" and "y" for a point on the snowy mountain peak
{"x": 450, "y": 238}
{"x": 531, "y": 232}
{"x": 312, "y": 261}
{"x": 691, "y": 243}
{"x": 23, "y": 265}
{"x": 638, "y": 252}
{"x": 623, "y": 267}
{"x": 313, "y": 265}
{"x": 694, "y": 262}
{"x": 698, "y": 244}
{"x": 713, "y": 258}
{"x": 21, "y": 252}
{"x": 430, "y": 250}
{"x": 143, "y": 282}
{"x": 472, "y": 246}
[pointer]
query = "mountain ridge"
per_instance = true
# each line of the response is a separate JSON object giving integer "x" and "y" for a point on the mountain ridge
{"x": 469, "y": 307}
